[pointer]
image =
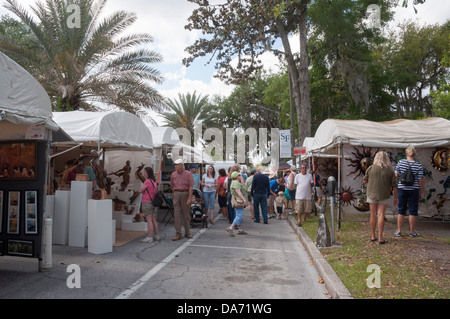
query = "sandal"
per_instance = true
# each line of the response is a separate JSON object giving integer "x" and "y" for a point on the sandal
{"x": 375, "y": 239}
{"x": 212, "y": 222}
{"x": 382, "y": 242}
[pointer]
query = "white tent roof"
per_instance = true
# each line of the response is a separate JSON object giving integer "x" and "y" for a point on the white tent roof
{"x": 110, "y": 129}
{"x": 430, "y": 132}
{"x": 22, "y": 99}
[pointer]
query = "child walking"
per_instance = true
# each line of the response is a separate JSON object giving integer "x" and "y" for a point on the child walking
{"x": 279, "y": 203}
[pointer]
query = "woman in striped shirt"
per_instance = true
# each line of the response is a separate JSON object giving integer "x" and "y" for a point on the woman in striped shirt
{"x": 409, "y": 195}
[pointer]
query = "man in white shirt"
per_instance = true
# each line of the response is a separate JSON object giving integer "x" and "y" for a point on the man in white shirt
{"x": 303, "y": 183}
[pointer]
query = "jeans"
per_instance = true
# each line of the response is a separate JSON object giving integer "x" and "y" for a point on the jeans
{"x": 260, "y": 199}
{"x": 209, "y": 198}
{"x": 239, "y": 216}
{"x": 408, "y": 198}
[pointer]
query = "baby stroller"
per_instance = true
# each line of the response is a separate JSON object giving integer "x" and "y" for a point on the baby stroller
{"x": 198, "y": 210}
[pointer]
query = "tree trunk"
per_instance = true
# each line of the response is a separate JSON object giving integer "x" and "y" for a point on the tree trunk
{"x": 304, "y": 110}
{"x": 299, "y": 77}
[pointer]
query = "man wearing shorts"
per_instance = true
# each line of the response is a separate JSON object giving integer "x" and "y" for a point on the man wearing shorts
{"x": 409, "y": 195}
{"x": 304, "y": 183}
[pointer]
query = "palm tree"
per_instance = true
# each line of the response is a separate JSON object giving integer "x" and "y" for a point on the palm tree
{"x": 188, "y": 111}
{"x": 87, "y": 63}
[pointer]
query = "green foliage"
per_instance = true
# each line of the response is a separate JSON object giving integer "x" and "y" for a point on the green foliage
{"x": 441, "y": 96}
{"x": 412, "y": 60}
{"x": 80, "y": 65}
{"x": 188, "y": 111}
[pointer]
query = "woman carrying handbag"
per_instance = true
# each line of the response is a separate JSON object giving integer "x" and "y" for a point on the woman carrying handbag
{"x": 148, "y": 191}
{"x": 239, "y": 202}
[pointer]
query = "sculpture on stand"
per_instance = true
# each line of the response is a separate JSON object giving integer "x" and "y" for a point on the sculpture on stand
{"x": 139, "y": 176}
{"x": 125, "y": 174}
{"x": 323, "y": 232}
{"x": 138, "y": 173}
{"x": 103, "y": 181}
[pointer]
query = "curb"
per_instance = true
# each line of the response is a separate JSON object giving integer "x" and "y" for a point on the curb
{"x": 334, "y": 285}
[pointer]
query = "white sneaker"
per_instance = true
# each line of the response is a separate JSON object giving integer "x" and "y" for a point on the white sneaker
{"x": 147, "y": 240}
{"x": 230, "y": 231}
{"x": 156, "y": 237}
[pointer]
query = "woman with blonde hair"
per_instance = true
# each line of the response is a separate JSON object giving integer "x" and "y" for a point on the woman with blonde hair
{"x": 380, "y": 179}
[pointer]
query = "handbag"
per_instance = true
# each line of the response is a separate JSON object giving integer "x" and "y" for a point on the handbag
{"x": 158, "y": 200}
{"x": 237, "y": 202}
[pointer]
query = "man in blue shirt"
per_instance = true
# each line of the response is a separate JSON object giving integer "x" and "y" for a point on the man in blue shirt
{"x": 195, "y": 176}
{"x": 259, "y": 191}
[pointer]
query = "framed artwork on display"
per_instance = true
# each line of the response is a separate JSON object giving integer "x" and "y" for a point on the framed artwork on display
{"x": 20, "y": 248}
{"x": 31, "y": 212}
{"x": 13, "y": 212}
{"x": 1, "y": 211}
{"x": 18, "y": 160}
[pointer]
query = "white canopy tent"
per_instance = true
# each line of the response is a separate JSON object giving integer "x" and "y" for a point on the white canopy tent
{"x": 23, "y": 101}
{"x": 105, "y": 129}
{"x": 119, "y": 133}
{"x": 26, "y": 114}
{"x": 400, "y": 133}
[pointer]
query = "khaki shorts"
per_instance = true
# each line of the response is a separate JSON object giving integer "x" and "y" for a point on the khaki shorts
{"x": 270, "y": 201}
{"x": 148, "y": 208}
{"x": 303, "y": 206}
{"x": 376, "y": 201}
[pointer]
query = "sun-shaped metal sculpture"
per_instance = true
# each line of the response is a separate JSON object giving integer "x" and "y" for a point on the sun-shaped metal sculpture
{"x": 362, "y": 160}
{"x": 328, "y": 166}
{"x": 347, "y": 196}
{"x": 439, "y": 159}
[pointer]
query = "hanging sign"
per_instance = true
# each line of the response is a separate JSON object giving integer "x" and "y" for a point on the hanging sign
{"x": 285, "y": 144}
{"x": 298, "y": 151}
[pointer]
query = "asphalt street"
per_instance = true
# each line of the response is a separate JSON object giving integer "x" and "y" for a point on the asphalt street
{"x": 269, "y": 263}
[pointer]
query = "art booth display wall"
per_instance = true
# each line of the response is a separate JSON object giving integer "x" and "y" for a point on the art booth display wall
{"x": 436, "y": 181}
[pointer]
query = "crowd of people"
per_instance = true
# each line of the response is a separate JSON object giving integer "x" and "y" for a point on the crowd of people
{"x": 270, "y": 196}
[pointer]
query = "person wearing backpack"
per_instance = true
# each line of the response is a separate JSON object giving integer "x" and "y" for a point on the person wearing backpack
{"x": 409, "y": 174}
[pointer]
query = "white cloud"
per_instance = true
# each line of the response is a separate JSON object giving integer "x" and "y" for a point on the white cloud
{"x": 214, "y": 87}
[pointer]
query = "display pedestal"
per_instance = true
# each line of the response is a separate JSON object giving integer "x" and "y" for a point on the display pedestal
{"x": 100, "y": 224}
{"x": 80, "y": 193}
{"x": 129, "y": 224}
{"x": 61, "y": 218}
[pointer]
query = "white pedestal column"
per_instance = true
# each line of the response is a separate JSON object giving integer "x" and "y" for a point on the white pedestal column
{"x": 61, "y": 218}
{"x": 80, "y": 193}
{"x": 100, "y": 239}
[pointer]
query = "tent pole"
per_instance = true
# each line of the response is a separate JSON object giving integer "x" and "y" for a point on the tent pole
{"x": 339, "y": 183}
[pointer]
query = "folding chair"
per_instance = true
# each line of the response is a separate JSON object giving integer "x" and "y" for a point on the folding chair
{"x": 170, "y": 210}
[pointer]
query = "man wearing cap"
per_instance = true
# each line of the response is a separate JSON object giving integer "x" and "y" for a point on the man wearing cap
{"x": 182, "y": 184}
{"x": 195, "y": 176}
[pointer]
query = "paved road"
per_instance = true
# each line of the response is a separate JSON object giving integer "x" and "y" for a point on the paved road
{"x": 268, "y": 263}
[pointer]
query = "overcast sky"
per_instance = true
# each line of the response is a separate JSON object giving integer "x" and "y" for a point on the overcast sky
{"x": 165, "y": 21}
